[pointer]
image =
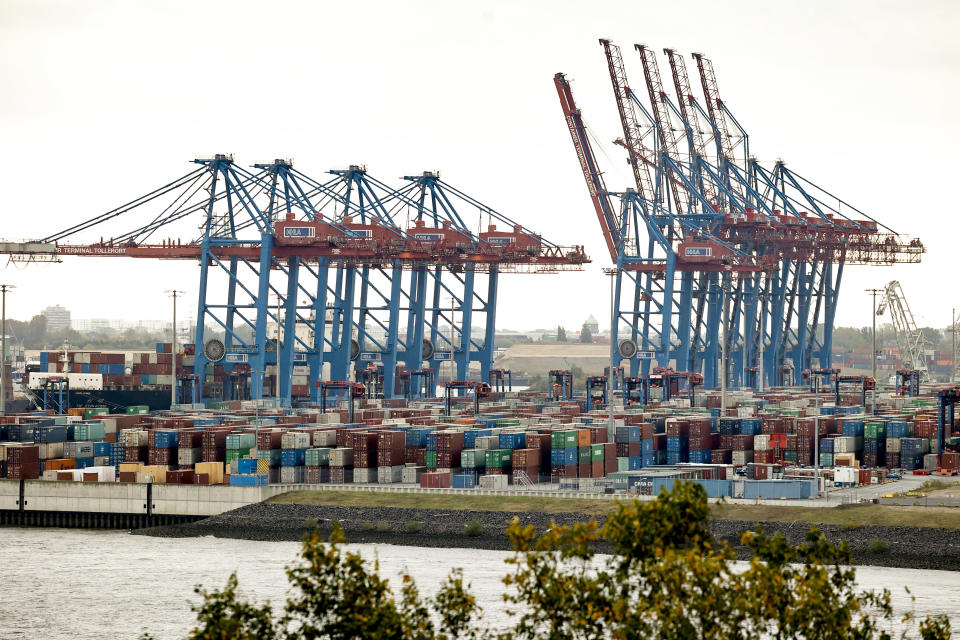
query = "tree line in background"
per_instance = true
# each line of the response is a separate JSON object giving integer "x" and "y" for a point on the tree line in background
{"x": 34, "y": 334}
{"x": 666, "y": 578}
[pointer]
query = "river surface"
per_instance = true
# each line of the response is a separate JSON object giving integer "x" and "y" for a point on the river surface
{"x": 70, "y": 584}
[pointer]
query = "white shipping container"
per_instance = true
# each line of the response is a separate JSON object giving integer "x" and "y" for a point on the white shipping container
{"x": 761, "y": 442}
{"x": 893, "y": 445}
{"x": 496, "y": 481}
{"x": 931, "y": 461}
{"x": 293, "y": 475}
{"x": 411, "y": 475}
{"x": 295, "y": 440}
{"x": 367, "y": 475}
{"x": 51, "y": 450}
{"x": 487, "y": 442}
{"x": 341, "y": 457}
{"x": 327, "y": 438}
{"x": 390, "y": 475}
{"x": 189, "y": 457}
{"x": 741, "y": 458}
{"x": 104, "y": 473}
{"x": 847, "y": 444}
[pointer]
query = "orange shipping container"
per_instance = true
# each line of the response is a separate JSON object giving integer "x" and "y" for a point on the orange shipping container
{"x": 583, "y": 437}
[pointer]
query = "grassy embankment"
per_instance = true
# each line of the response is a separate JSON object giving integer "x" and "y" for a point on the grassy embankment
{"x": 848, "y": 516}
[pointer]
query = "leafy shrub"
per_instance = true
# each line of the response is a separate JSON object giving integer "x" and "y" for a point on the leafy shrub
{"x": 473, "y": 529}
{"x": 879, "y": 545}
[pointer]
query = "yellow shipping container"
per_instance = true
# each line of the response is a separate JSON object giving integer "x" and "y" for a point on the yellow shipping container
{"x": 213, "y": 469}
{"x": 131, "y": 467}
{"x": 158, "y": 472}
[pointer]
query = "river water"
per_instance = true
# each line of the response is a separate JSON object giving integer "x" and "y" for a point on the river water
{"x": 59, "y": 583}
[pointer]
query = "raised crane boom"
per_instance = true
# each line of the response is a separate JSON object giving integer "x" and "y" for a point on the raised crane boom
{"x": 640, "y": 158}
{"x": 690, "y": 111}
{"x": 661, "y": 114}
{"x": 912, "y": 343}
{"x": 717, "y": 110}
{"x": 588, "y": 164}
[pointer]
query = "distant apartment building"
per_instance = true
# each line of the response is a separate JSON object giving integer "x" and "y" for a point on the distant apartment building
{"x": 57, "y": 317}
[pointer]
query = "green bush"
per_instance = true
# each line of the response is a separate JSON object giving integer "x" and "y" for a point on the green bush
{"x": 879, "y": 545}
{"x": 414, "y": 527}
{"x": 849, "y": 527}
{"x": 383, "y": 526}
{"x": 473, "y": 529}
{"x": 310, "y": 523}
{"x": 367, "y": 525}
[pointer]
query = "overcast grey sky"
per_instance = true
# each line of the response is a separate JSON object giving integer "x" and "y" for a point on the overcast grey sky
{"x": 104, "y": 101}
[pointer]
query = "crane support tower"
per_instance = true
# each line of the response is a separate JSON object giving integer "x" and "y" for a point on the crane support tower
{"x": 706, "y": 227}
{"x": 304, "y": 279}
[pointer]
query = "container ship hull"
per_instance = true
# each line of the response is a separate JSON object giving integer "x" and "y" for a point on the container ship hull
{"x": 156, "y": 399}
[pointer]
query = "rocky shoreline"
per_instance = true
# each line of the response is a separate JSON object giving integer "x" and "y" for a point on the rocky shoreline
{"x": 905, "y": 547}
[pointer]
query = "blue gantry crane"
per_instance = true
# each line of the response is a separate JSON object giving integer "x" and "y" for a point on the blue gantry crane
{"x": 349, "y": 271}
{"x": 709, "y": 244}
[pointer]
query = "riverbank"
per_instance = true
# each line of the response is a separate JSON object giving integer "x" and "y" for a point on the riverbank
{"x": 889, "y": 546}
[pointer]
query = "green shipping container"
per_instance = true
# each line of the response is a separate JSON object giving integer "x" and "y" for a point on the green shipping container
{"x": 623, "y": 464}
{"x": 241, "y": 441}
{"x": 90, "y": 412}
{"x": 790, "y": 456}
{"x": 236, "y": 454}
{"x": 596, "y": 452}
{"x": 499, "y": 458}
{"x": 272, "y": 456}
{"x": 89, "y": 431}
{"x": 431, "y": 459}
{"x": 586, "y": 455}
{"x": 826, "y": 459}
{"x": 138, "y": 410}
{"x": 563, "y": 440}
{"x": 875, "y": 430}
{"x": 317, "y": 457}
{"x": 473, "y": 458}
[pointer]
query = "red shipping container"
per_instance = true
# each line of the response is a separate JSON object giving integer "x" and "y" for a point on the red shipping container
{"x": 558, "y": 473}
{"x": 598, "y": 434}
{"x": 596, "y": 469}
{"x": 677, "y": 427}
{"x": 609, "y": 458}
{"x": 585, "y": 470}
{"x": 950, "y": 460}
{"x": 526, "y": 459}
{"x": 391, "y": 448}
{"x": 435, "y": 480}
{"x": 269, "y": 439}
{"x": 365, "y": 449}
{"x": 721, "y": 456}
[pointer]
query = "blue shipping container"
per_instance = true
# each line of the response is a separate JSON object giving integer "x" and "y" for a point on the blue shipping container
{"x": 852, "y": 428}
{"x": 464, "y": 481}
{"x": 246, "y": 465}
{"x": 293, "y": 457}
{"x": 700, "y": 457}
{"x": 563, "y": 457}
{"x": 101, "y": 448}
{"x": 513, "y": 440}
{"x": 252, "y": 480}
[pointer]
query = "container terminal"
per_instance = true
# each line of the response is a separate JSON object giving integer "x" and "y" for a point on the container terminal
{"x": 725, "y": 275}
{"x": 784, "y": 443}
